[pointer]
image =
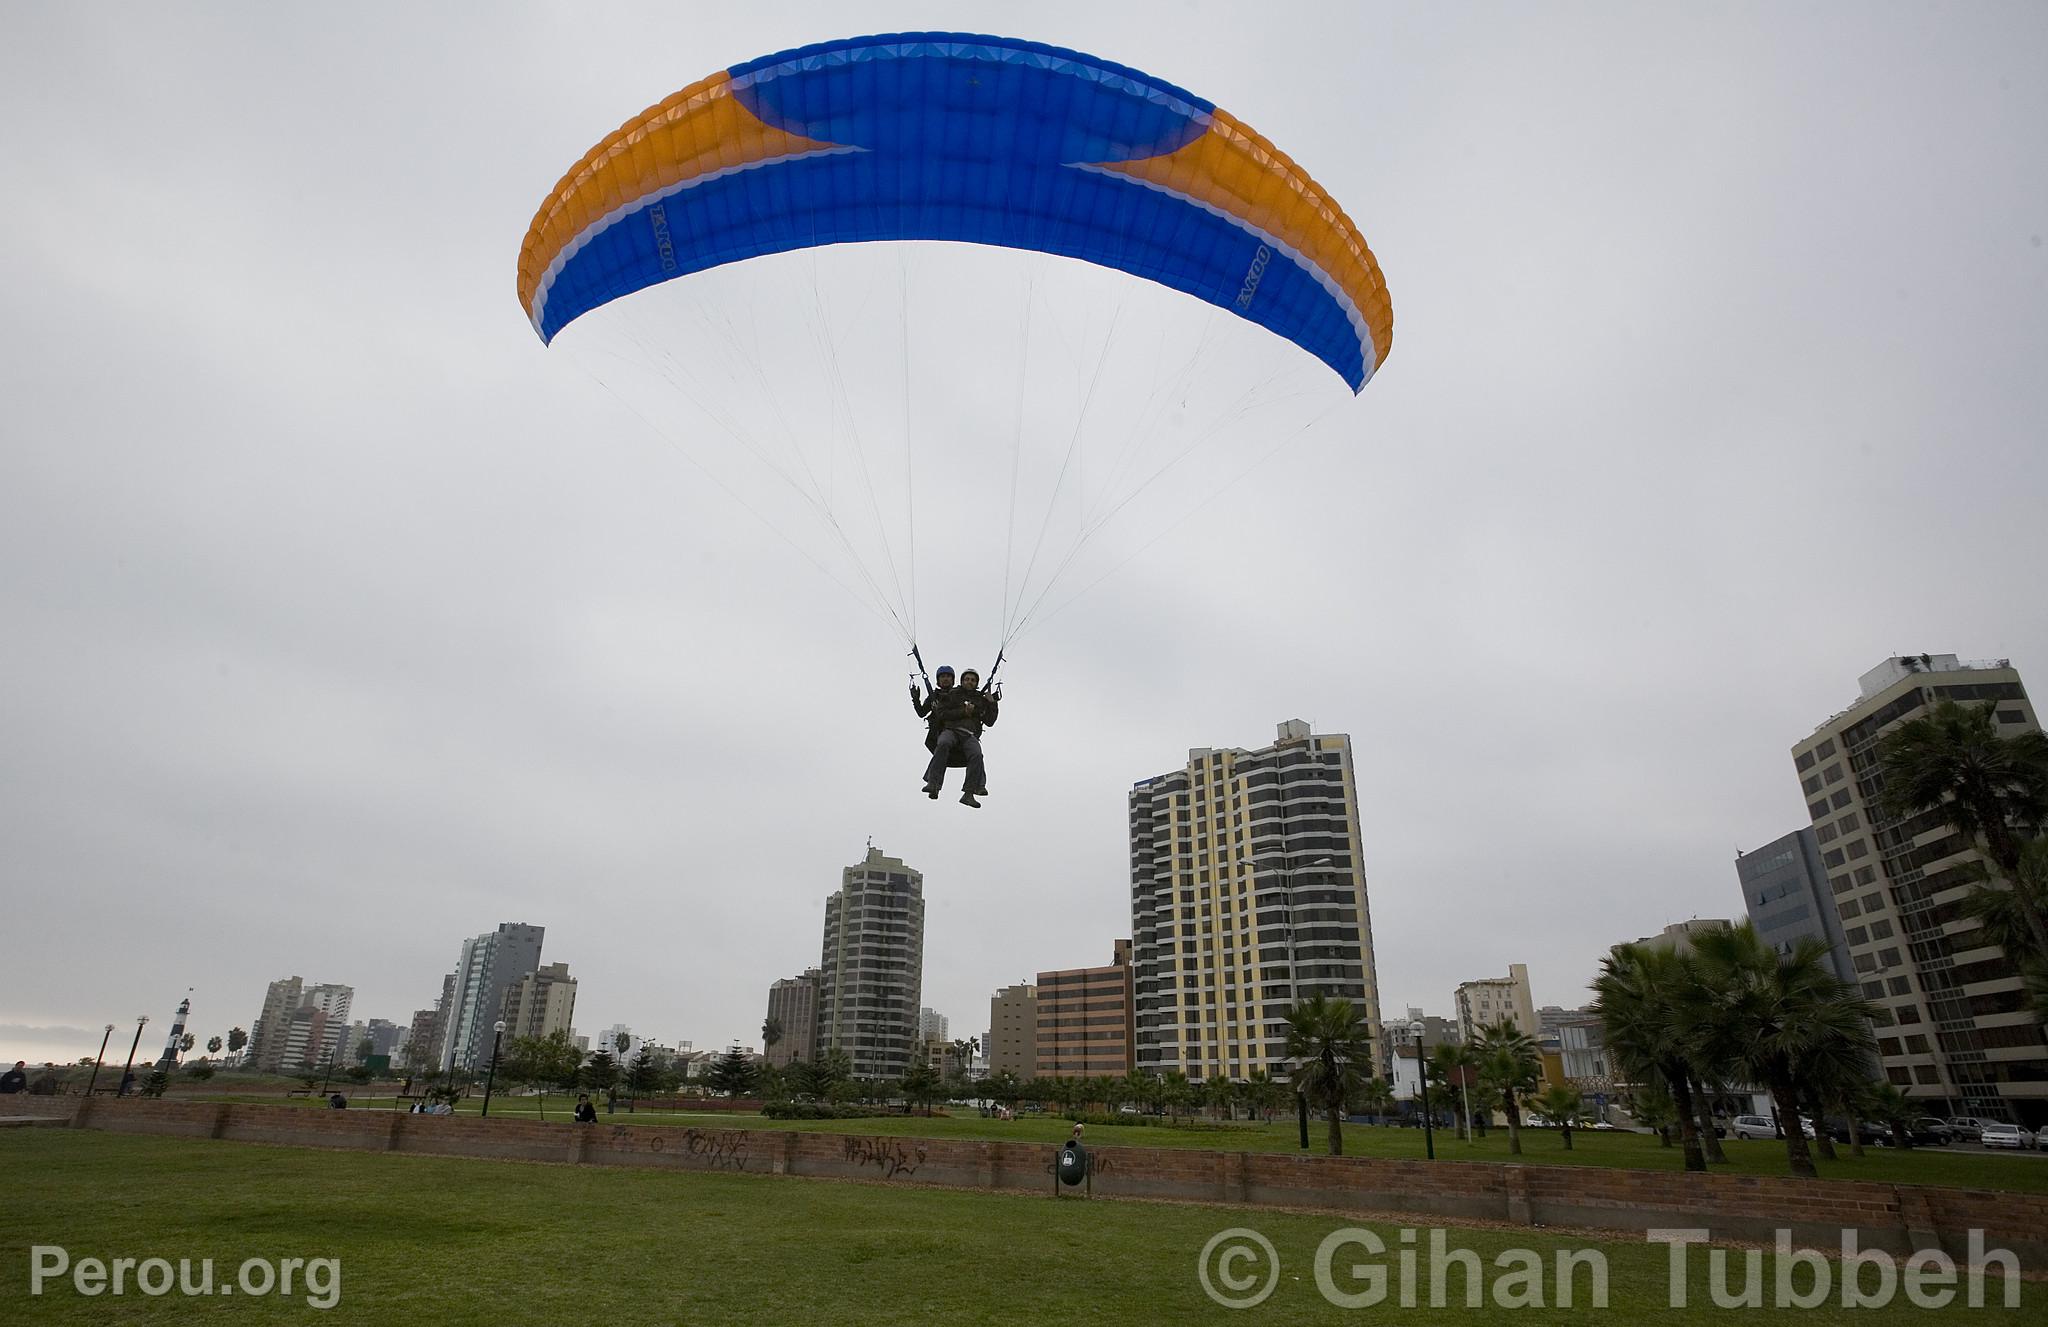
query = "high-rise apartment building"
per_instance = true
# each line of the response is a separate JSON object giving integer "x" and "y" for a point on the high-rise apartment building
{"x": 429, "y": 1033}
{"x": 1954, "y": 1026}
{"x": 301, "y": 1025}
{"x": 931, "y": 1026}
{"x": 1084, "y": 1019}
{"x": 1785, "y": 891}
{"x": 871, "y": 974}
{"x": 793, "y": 1003}
{"x": 1013, "y": 1031}
{"x": 266, "y": 1034}
{"x": 1489, "y": 1000}
{"x": 541, "y": 1003}
{"x": 1248, "y": 893}
{"x": 488, "y": 965}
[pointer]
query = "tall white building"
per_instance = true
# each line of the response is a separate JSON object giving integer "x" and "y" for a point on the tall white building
{"x": 1954, "y": 1029}
{"x": 931, "y": 1026}
{"x": 1248, "y": 893}
{"x": 487, "y": 967}
{"x": 871, "y": 972}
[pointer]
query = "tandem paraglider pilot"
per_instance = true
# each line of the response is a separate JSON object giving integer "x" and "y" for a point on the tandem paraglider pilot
{"x": 954, "y": 717}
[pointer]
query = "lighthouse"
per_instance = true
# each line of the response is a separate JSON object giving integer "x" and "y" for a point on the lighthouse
{"x": 172, "y": 1049}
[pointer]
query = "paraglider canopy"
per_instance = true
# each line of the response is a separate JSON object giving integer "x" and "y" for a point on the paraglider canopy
{"x": 948, "y": 136}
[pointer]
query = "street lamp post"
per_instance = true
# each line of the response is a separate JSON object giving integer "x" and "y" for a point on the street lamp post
{"x": 98, "y": 1058}
{"x": 122, "y": 1091}
{"x": 490, "y": 1077}
{"x": 1422, "y": 1073}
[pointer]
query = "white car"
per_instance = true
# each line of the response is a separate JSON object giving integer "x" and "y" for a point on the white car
{"x": 1995, "y": 1134}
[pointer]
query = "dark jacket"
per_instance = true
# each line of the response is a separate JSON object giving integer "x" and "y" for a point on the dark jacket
{"x": 14, "y": 1080}
{"x": 586, "y": 1113}
{"x": 960, "y": 708}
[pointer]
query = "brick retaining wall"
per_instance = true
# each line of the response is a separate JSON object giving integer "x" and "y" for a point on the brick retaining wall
{"x": 1897, "y": 1217}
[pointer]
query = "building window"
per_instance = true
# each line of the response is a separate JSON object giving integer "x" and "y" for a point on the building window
{"x": 1848, "y": 822}
{"x": 1805, "y": 761}
{"x": 1811, "y": 783}
{"x": 1825, "y": 749}
{"x": 1826, "y": 834}
{"x": 1908, "y": 1013}
{"x": 2011, "y": 716}
{"x": 1851, "y": 908}
{"x": 1833, "y": 858}
{"x": 1858, "y": 935}
{"x": 1865, "y": 874}
{"x": 1840, "y": 799}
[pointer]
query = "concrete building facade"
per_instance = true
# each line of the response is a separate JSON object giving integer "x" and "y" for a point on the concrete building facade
{"x": 1248, "y": 894}
{"x": 1785, "y": 891}
{"x": 1954, "y": 1029}
{"x": 1489, "y": 1000}
{"x": 1013, "y": 1030}
{"x": 793, "y": 1002}
{"x": 301, "y": 1025}
{"x": 541, "y": 1003}
{"x": 1085, "y": 1019}
{"x": 871, "y": 973}
{"x": 487, "y": 967}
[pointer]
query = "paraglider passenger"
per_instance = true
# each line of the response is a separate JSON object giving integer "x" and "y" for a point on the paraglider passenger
{"x": 955, "y": 716}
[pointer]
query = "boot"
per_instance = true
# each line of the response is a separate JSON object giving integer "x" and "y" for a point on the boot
{"x": 967, "y": 799}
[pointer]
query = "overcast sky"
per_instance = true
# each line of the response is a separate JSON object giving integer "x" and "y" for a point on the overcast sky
{"x": 339, "y": 620}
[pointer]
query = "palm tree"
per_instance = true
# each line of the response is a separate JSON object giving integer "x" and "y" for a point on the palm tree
{"x": 1447, "y": 1070}
{"x": 1175, "y": 1091}
{"x": 1781, "y": 1019}
{"x": 1219, "y": 1093}
{"x": 2001, "y": 914}
{"x": 1987, "y": 786}
{"x": 1262, "y": 1094}
{"x": 771, "y": 1033}
{"x": 1646, "y": 997}
{"x": 920, "y": 1084}
{"x": 1884, "y": 1102}
{"x": 1377, "y": 1096}
{"x": 1329, "y": 1039}
{"x": 1652, "y": 1107}
{"x": 1560, "y": 1104}
{"x": 1509, "y": 1064}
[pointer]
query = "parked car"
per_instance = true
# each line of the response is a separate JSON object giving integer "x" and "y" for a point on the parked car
{"x": 1996, "y": 1134}
{"x": 1874, "y": 1135}
{"x": 1761, "y": 1126}
{"x": 1932, "y": 1124}
{"x": 1965, "y": 1127}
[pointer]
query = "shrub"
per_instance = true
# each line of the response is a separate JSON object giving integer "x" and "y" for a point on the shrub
{"x": 815, "y": 1110}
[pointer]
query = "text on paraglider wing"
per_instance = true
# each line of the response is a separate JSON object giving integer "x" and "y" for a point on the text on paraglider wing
{"x": 1251, "y": 278}
{"x": 658, "y": 216}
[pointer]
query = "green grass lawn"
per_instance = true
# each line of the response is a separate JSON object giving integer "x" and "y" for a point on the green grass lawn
{"x": 1964, "y": 1169}
{"x": 448, "y": 1241}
